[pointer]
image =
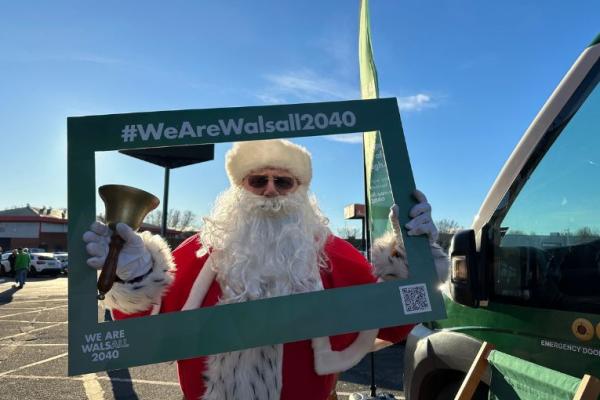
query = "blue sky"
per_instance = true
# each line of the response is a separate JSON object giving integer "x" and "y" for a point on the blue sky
{"x": 469, "y": 76}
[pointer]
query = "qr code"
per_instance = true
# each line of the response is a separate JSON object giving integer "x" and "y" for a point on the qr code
{"x": 415, "y": 298}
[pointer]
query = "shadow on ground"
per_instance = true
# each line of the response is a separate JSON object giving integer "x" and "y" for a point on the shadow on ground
{"x": 7, "y": 296}
{"x": 389, "y": 364}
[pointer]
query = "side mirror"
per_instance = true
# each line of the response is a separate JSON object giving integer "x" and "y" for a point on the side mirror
{"x": 464, "y": 271}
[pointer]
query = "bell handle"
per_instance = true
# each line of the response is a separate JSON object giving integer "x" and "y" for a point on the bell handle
{"x": 109, "y": 270}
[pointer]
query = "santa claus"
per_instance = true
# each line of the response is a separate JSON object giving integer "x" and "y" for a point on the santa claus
{"x": 265, "y": 237}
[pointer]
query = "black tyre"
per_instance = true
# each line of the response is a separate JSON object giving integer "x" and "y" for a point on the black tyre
{"x": 448, "y": 392}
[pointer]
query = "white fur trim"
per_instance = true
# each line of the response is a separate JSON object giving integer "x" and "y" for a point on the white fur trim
{"x": 328, "y": 361}
{"x": 386, "y": 264}
{"x": 389, "y": 259}
{"x": 200, "y": 287}
{"x": 254, "y": 373}
{"x": 141, "y": 296}
{"x": 245, "y": 157}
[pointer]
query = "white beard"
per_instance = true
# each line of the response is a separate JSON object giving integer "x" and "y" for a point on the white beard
{"x": 260, "y": 248}
{"x": 265, "y": 247}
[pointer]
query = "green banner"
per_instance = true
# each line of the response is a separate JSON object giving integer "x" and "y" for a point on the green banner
{"x": 383, "y": 155}
{"x": 515, "y": 378}
{"x": 379, "y": 191}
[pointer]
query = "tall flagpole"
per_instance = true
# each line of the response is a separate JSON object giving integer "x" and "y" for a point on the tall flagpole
{"x": 369, "y": 90}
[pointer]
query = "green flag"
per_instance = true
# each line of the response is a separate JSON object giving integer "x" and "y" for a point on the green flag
{"x": 379, "y": 190}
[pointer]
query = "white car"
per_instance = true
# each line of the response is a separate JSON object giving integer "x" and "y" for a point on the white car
{"x": 44, "y": 262}
{"x": 5, "y": 268}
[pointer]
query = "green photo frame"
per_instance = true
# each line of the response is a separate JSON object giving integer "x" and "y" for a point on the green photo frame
{"x": 95, "y": 346}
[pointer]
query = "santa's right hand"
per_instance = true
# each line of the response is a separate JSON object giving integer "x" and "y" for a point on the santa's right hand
{"x": 134, "y": 259}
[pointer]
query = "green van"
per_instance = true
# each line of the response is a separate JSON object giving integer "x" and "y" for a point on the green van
{"x": 526, "y": 276}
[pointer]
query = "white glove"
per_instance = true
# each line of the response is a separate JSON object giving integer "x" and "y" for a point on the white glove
{"x": 421, "y": 222}
{"x": 134, "y": 259}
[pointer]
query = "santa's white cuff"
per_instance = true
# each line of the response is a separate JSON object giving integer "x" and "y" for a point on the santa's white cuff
{"x": 147, "y": 293}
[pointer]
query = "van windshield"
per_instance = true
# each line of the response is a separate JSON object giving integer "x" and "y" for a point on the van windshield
{"x": 549, "y": 253}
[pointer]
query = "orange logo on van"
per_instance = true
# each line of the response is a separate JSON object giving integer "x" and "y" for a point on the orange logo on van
{"x": 583, "y": 329}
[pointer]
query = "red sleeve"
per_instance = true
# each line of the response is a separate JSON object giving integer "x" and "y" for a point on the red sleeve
{"x": 349, "y": 267}
{"x": 188, "y": 265}
{"x": 117, "y": 315}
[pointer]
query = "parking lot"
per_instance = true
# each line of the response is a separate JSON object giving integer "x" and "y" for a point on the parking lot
{"x": 33, "y": 355}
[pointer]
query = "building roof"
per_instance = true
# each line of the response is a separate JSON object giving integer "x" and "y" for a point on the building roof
{"x": 28, "y": 211}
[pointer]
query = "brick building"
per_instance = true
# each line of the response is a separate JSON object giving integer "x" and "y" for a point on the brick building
{"x": 47, "y": 228}
{"x": 34, "y": 227}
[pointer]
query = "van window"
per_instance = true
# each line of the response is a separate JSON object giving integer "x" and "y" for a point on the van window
{"x": 549, "y": 251}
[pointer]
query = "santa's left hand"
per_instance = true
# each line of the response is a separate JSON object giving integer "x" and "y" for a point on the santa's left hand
{"x": 421, "y": 222}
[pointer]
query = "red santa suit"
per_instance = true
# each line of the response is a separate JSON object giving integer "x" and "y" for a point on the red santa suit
{"x": 309, "y": 366}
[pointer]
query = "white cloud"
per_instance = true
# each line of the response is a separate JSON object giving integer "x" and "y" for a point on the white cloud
{"x": 96, "y": 59}
{"x": 352, "y": 138}
{"x": 305, "y": 86}
{"x": 417, "y": 102}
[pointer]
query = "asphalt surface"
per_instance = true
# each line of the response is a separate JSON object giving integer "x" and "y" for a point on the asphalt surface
{"x": 33, "y": 356}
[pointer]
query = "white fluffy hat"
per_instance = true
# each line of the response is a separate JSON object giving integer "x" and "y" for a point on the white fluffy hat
{"x": 245, "y": 157}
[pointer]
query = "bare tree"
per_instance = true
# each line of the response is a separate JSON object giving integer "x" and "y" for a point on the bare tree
{"x": 586, "y": 233}
{"x": 154, "y": 218}
{"x": 446, "y": 228}
{"x": 348, "y": 232}
{"x": 187, "y": 220}
{"x": 173, "y": 217}
{"x": 176, "y": 219}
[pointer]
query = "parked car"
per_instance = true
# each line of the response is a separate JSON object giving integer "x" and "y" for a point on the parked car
{"x": 44, "y": 263}
{"x": 63, "y": 257}
{"x": 5, "y": 268}
{"x": 526, "y": 276}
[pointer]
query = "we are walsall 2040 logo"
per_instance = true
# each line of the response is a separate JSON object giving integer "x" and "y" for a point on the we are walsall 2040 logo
{"x": 238, "y": 126}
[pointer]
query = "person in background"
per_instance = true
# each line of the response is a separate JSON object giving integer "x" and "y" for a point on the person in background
{"x": 12, "y": 258}
{"x": 22, "y": 262}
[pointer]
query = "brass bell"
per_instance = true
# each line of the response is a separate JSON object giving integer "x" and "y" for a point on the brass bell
{"x": 122, "y": 204}
{"x": 126, "y": 204}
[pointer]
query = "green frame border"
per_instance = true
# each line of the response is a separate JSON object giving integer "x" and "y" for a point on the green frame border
{"x": 187, "y": 334}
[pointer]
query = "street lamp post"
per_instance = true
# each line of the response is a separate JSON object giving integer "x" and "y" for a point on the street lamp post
{"x": 169, "y": 158}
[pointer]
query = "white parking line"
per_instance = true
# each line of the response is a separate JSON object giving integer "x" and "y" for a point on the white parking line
{"x": 28, "y": 332}
{"x": 29, "y": 312}
{"x": 34, "y": 322}
{"x": 93, "y": 389}
{"x": 163, "y": 383}
{"x": 100, "y": 378}
{"x": 37, "y": 377}
{"x": 35, "y": 301}
{"x": 32, "y": 344}
{"x": 2, "y": 374}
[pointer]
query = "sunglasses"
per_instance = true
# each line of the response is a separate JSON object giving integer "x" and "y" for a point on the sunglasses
{"x": 261, "y": 181}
